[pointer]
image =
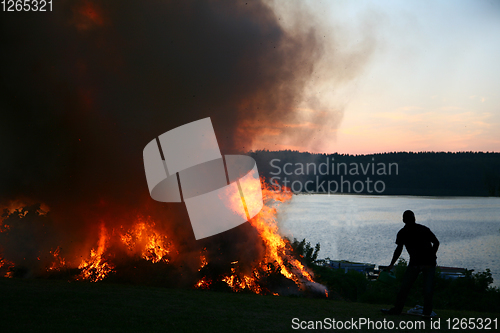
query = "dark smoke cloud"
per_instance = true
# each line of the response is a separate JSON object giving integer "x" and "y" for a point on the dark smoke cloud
{"x": 84, "y": 88}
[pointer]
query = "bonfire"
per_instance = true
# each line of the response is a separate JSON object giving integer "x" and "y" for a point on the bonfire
{"x": 269, "y": 267}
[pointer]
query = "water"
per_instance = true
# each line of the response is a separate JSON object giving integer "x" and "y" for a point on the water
{"x": 363, "y": 228}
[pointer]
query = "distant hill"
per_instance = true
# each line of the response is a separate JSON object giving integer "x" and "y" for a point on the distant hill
{"x": 402, "y": 173}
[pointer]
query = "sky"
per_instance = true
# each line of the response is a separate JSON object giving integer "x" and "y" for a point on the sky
{"x": 85, "y": 87}
{"x": 427, "y": 79}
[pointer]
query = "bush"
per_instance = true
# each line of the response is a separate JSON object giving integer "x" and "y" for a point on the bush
{"x": 349, "y": 286}
{"x": 472, "y": 292}
{"x": 305, "y": 251}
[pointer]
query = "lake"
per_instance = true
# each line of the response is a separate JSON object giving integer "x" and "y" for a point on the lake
{"x": 363, "y": 228}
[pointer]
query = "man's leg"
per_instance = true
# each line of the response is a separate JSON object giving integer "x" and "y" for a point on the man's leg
{"x": 409, "y": 278}
{"x": 428, "y": 273}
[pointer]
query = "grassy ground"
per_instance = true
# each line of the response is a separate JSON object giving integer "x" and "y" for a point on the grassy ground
{"x": 58, "y": 306}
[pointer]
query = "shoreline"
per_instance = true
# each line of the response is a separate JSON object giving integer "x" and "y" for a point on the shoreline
{"x": 372, "y": 195}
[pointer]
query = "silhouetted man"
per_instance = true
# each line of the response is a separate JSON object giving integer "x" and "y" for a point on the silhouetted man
{"x": 422, "y": 245}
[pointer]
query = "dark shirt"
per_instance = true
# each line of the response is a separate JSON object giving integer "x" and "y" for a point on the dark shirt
{"x": 418, "y": 240}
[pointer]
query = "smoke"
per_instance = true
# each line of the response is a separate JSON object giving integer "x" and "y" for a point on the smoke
{"x": 346, "y": 41}
{"x": 85, "y": 87}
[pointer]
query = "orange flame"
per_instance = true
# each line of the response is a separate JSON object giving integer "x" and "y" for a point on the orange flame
{"x": 96, "y": 267}
{"x": 204, "y": 262}
{"x": 59, "y": 262}
{"x": 277, "y": 249}
{"x": 238, "y": 283}
{"x": 203, "y": 284}
{"x": 141, "y": 239}
{"x": 144, "y": 239}
{"x": 8, "y": 265}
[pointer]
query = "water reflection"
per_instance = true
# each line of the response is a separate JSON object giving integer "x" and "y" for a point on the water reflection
{"x": 364, "y": 228}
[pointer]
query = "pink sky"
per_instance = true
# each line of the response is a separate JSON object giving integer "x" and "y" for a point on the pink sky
{"x": 428, "y": 79}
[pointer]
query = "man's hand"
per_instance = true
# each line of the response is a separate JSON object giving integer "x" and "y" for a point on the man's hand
{"x": 389, "y": 268}
{"x": 397, "y": 253}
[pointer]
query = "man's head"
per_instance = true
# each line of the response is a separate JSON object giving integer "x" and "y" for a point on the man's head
{"x": 408, "y": 217}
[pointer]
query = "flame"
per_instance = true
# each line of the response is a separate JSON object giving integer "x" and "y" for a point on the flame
{"x": 203, "y": 284}
{"x": 140, "y": 239}
{"x": 251, "y": 188}
{"x": 59, "y": 262}
{"x": 276, "y": 247}
{"x": 204, "y": 262}
{"x": 239, "y": 283}
{"x": 277, "y": 250}
{"x": 144, "y": 239}
{"x": 6, "y": 264}
{"x": 97, "y": 267}
{"x": 19, "y": 205}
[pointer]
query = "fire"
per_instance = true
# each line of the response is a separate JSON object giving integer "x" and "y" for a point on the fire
{"x": 140, "y": 239}
{"x": 204, "y": 261}
{"x": 278, "y": 251}
{"x": 7, "y": 264}
{"x": 97, "y": 267}
{"x": 59, "y": 262}
{"x": 17, "y": 213}
{"x": 276, "y": 247}
{"x": 252, "y": 190}
{"x": 19, "y": 205}
{"x": 241, "y": 283}
{"x": 203, "y": 284}
{"x": 143, "y": 239}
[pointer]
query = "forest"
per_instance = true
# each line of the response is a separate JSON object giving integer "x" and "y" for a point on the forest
{"x": 396, "y": 173}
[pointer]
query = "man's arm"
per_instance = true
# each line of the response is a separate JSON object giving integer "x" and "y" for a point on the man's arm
{"x": 435, "y": 243}
{"x": 397, "y": 253}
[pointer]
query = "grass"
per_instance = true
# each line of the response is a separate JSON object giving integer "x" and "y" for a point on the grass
{"x": 42, "y": 305}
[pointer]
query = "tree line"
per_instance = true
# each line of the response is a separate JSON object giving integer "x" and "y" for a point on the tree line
{"x": 397, "y": 173}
